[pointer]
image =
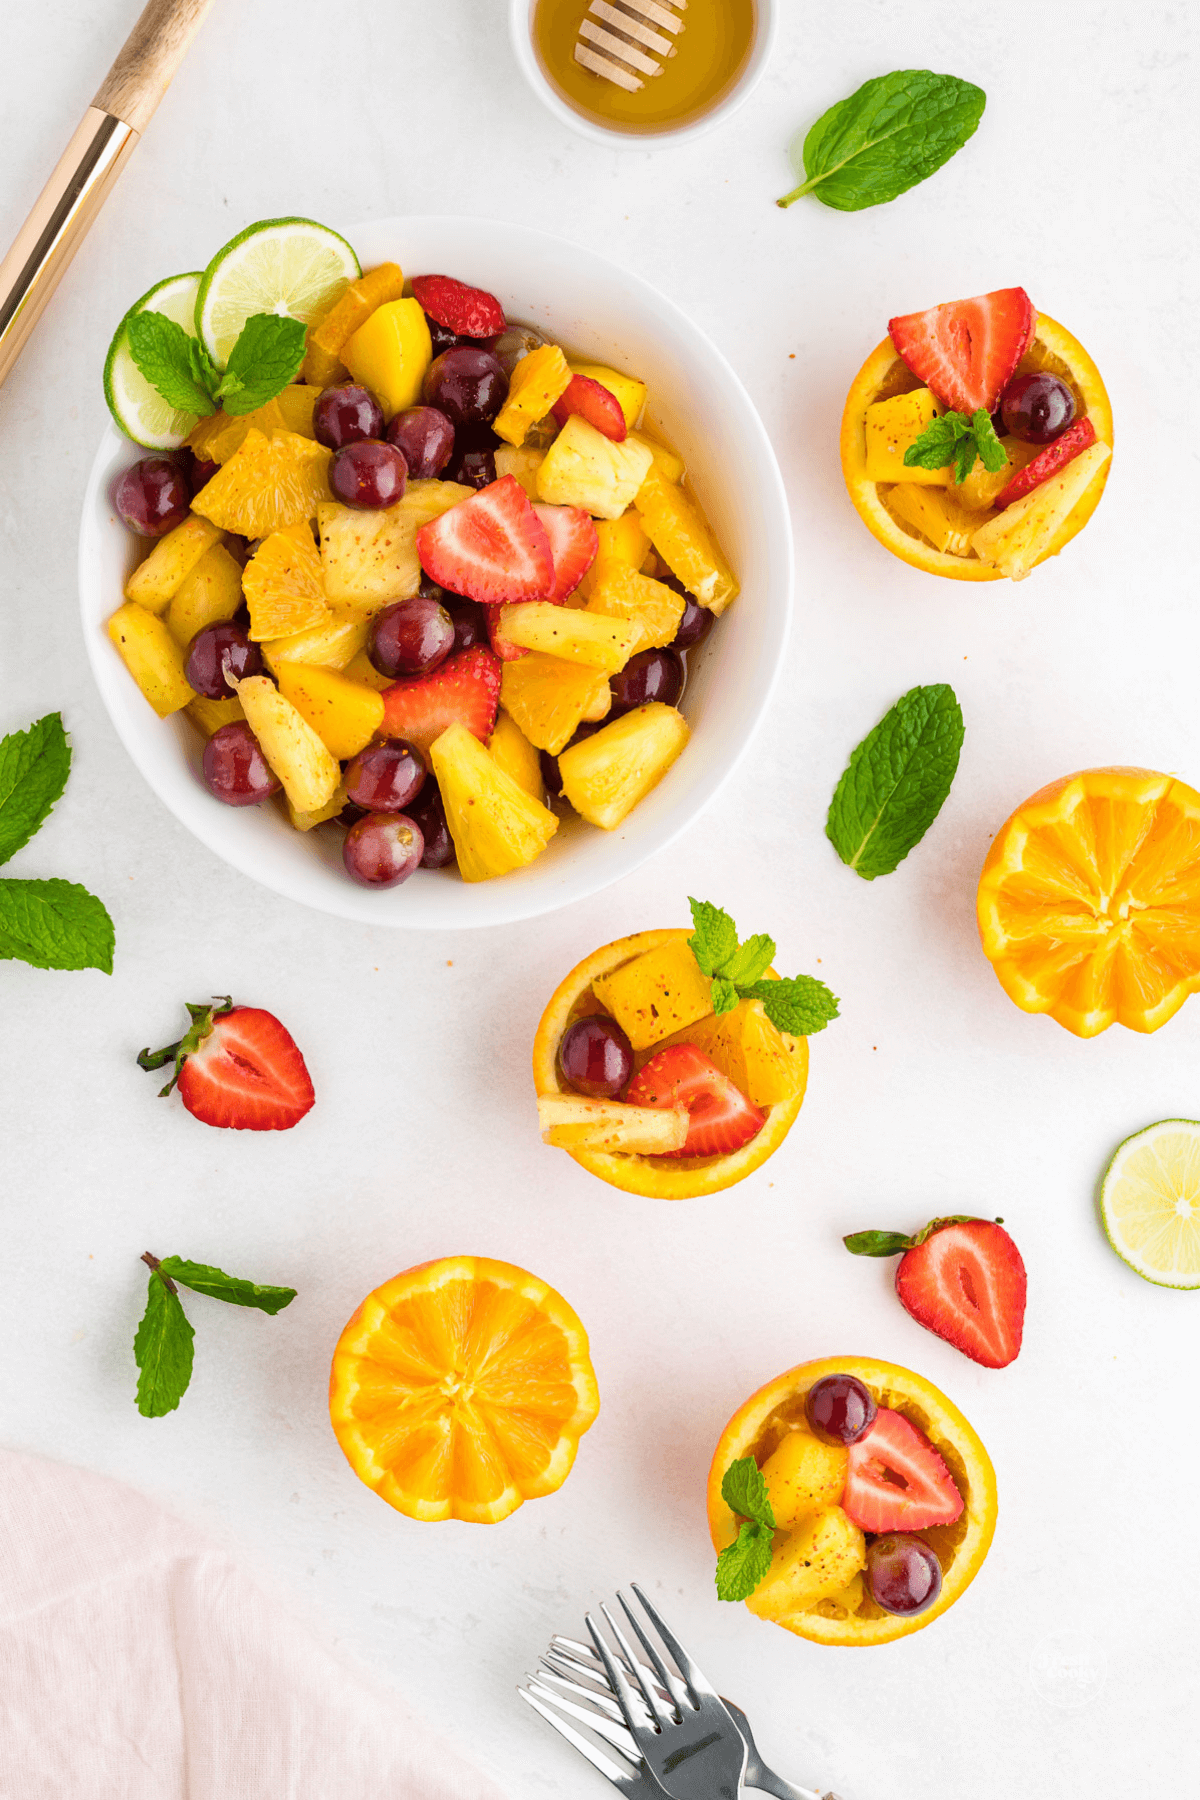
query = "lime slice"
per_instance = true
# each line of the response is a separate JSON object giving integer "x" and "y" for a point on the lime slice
{"x": 140, "y": 410}
{"x": 1150, "y": 1203}
{"x": 293, "y": 267}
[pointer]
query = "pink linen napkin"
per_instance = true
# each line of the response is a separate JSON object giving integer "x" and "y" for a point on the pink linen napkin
{"x": 137, "y": 1662}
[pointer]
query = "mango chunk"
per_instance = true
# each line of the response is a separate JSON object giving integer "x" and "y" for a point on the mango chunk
{"x": 152, "y": 656}
{"x": 629, "y": 393}
{"x": 327, "y": 339}
{"x": 809, "y": 1564}
{"x": 680, "y": 534}
{"x": 537, "y": 381}
{"x": 770, "y": 1066}
{"x": 584, "y": 468}
{"x": 655, "y": 994}
{"x": 344, "y": 714}
{"x": 308, "y": 771}
{"x": 1014, "y": 540}
{"x": 211, "y": 594}
{"x": 155, "y": 582}
{"x": 891, "y": 427}
{"x": 803, "y": 1475}
{"x": 390, "y": 354}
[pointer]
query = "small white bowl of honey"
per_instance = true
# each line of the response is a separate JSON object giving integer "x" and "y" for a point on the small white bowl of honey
{"x": 643, "y": 73}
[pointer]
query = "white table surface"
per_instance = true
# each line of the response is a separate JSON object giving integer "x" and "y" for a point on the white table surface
{"x": 1067, "y": 1668}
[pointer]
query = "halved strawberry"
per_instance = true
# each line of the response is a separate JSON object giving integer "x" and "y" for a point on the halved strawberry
{"x": 593, "y": 402}
{"x": 967, "y": 350}
{"x": 573, "y": 546}
{"x": 237, "y": 1067}
{"x": 491, "y": 547}
{"x": 1073, "y": 442}
{"x": 721, "y": 1117}
{"x": 895, "y": 1479}
{"x": 466, "y": 688}
{"x": 467, "y": 311}
{"x": 966, "y": 1282}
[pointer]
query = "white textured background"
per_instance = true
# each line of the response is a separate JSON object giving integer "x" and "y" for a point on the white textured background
{"x": 1067, "y": 1667}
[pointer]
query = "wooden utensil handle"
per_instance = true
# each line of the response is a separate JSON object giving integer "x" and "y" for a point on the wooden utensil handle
{"x": 149, "y": 58}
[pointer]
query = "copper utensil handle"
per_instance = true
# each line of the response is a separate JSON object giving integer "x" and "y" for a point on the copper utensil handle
{"x": 87, "y": 169}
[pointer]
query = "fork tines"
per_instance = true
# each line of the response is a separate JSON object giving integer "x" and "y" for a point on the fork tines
{"x": 617, "y": 56}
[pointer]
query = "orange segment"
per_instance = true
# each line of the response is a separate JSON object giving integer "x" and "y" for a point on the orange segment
{"x": 267, "y": 483}
{"x": 1089, "y": 901}
{"x": 461, "y": 1388}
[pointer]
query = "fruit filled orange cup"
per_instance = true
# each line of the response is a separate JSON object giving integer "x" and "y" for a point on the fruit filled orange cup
{"x": 850, "y": 1502}
{"x": 663, "y": 1063}
{"x": 977, "y": 438}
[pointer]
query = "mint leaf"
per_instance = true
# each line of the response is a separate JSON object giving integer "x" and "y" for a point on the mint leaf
{"x": 749, "y": 961}
{"x": 204, "y": 370}
{"x": 802, "y": 1005}
{"x": 724, "y": 995}
{"x": 160, "y": 348}
{"x": 937, "y": 444}
{"x": 202, "y": 1278}
{"x": 990, "y": 448}
{"x": 896, "y": 781}
{"x": 715, "y": 938}
{"x": 54, "y": 925}
{"x": 162, "y": 1350}
{"x": 744, "y": 1491}
{"x": 34, "y": 766}
{"x": 744, "y": 1563}
{"x": 266, "y": 357}
{"x": 965, "y": 455}
{"x": 886, "y": 137}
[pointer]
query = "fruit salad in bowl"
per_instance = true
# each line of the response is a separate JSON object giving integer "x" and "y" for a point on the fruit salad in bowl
{"x": 425, "y": 578}
{"x": 977, "y": 438}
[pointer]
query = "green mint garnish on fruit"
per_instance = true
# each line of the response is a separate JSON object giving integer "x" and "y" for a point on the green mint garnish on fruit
{"x": 744, "y": 1563}
{"x": 265, "y": 358}
{"x": 48, "y": 924}
{"x": 955, "y": 438}
{"x": 800, "y": 1006}
{"x": 896, "y": 781}
{"x": 162, "y": 1347}
{"x": 885, "y": 137}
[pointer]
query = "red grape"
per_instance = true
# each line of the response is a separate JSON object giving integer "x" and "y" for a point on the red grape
{"x": 368, "y": 474}
{"x": 385, "y": 777}
{"x": 410, "y": 637}
{"x": 235, "y": 769}
{"x": 346, "y": 414}
{"x": 473, "y": 465}
{"x": 903, "y": 1573}
{"x": 468, "y": 385}
{"x": 153, "y": 496}
{"x": 1037, "y": 408}
{"x": 839, "y": 1408}
{"x": 515, "y": 342}
{"x": 695, "y": 624}
{"x": 429, "y": 812}
{"x": 650, "y": 675}
{"x": 382, "y": 849}
{"x": 425, "y": 439}
{"x": 467, "y": 617}
{"x": 216, "y": 649}
{"x": 595, "y": 1057}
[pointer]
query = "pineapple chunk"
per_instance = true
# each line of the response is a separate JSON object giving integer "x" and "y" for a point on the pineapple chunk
{"x": 656, "y": 994}
{"x": 802, "y": 1475}
{"x": 306, "y": 821}
{"x": 845, "y": 1603}
{"x": 575, "y": 1124}
{"x": 283, "y": 586}
{"x": 370, "y": 558}
{"x": 211, "y": 594}
{"x": 549, "y": 699}
{"x": 522, "y": 463}
{"x": 937, "y": 515}
{"x": 573, "y": 636}
{"x": 810, "y": 1564}
{"x": 629, "y": 393}
{"x": 770, "y": 1066}
{"x": 1013, "y": 541}
{"x": 267, "y": 485}
{"x": 361, "y": 668}
{"x": 215, "y": 439}
{"x": 514, "y": 753}
{"x": 537, "y": 381}
{"x": 309, "y": 773}
{"x": 155, "y": 582}
{"x": 584, "y": 468}
{"x": 667, "y": 461}
{"x": 390, "y": 354}
{"x": 152, "y": 657}
{"x": 209, "y": 715}
{"x": 892, "y": 427}
{"x": 605, "y": 776}
{"x": 326, "y": 340}
{"x": 344, "y": 714}
{"x": 621, "y": 593}
{"x": 331, "y": 644}
{"x": 681, "y": 537}
{"x": 495, "y": 824}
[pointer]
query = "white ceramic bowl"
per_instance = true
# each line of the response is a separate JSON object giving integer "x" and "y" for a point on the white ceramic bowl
{"x": 520, "y": 21}
{"x": 696, "y": 403}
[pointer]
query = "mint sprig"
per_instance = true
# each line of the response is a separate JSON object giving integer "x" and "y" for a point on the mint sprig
{"x": 745, "y": 1562}
{"x": 953, "y": 438}
{"x": 162, "y": 1347}
{"x": 896, "y": 781}
{"x": 885, "y": 137}
{"x": 265, "y": 358}
{"x": 49, "y": 924}
{"x": 801, "y": 1006}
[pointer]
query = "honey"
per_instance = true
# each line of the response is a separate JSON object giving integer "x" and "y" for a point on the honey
{"x": 709, "y": 57}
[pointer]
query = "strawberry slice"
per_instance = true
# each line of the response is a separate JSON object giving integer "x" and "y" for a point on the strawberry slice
{"x": 503, "y": 647}
{"x": 593, "y": 402}
{"x": 491, "y": 547}
{"x": 466, "y": 311}
{"x": 465, "y": 688}
{"x": 966, "y": 1282}
{"x": 573, "y": 546}
{"x": 721, "y": 1117}
{"x": 237, "y": 1067}
{"x": 895, "y": 1479}
{"x": 967, "y": 350}
{"x": 1073, "y": 442}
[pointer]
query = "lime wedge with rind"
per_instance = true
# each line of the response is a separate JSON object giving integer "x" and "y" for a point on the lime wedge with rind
{"x": 139, "y": 409}
{"x": 293, "y": 267}
{"x": 1150, "y": 1203}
